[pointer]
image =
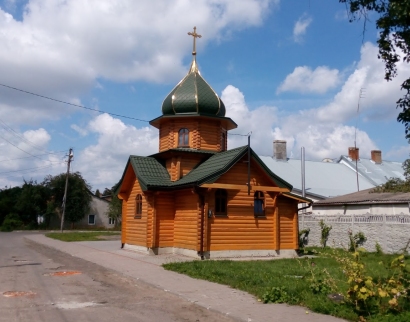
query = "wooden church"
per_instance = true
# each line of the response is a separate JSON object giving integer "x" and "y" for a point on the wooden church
{"x": 196, "y": 197}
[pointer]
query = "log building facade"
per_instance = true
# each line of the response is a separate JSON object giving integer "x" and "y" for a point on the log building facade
{"x": 196, "y": 197}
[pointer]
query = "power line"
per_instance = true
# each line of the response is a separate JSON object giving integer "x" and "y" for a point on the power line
{"x": 76, "y": 105}
{"x": 18, "y": 147}
{"x": 36, "y": 168}
{"x": 38, "y": 155}
{"x": 11, "y": 131}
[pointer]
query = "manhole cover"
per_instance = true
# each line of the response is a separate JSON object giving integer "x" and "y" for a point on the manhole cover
{"x": 17, "y": 294}
{"x": 65, "y": 273}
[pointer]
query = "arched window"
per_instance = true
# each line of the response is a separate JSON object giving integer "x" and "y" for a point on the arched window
{"x": 138, "y": 206}
{"x": 223, "y": 141}
{"x": 183, "y": 137}
{"x": 221, "y": 202}
{"x": 259, "y": 204}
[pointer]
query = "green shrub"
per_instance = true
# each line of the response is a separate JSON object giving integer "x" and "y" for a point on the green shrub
{"x": 303, "y": 235}
{"x": 325, "y": 231}
{"x": 278, "y": 295}
{"x": 379, "y": 249}
{"x": 11, "y": 222}
{"x": 356, "y": 240}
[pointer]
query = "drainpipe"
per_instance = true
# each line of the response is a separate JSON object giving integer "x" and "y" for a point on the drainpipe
{"x": 305, "y": 207}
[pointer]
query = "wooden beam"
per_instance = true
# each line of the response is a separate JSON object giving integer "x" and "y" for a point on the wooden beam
{"x": 296, "y": 198}
{"x": 242, "y": 187}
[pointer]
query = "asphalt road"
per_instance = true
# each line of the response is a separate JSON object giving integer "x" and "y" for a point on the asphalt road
{"x": 38, "y": 283}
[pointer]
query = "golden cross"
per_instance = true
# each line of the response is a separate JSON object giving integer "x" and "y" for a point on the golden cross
{"x": 195, "y": 35}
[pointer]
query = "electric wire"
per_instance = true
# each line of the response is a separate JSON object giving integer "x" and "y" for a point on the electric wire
{"x": 13, "y": 132}
{"x": 18, "y": 147}
{"x": 72, "y": 104}
{"x": 38, "y": 155}
{"x": 30, "y": 169}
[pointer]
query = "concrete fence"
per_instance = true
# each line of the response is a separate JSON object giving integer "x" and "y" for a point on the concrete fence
{"x": 392, "y": 232}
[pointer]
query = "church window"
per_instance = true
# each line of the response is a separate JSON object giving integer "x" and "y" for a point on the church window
{"x": 221, "y": 202}
{"x": 259, "y": 204}
{"x": 183, "y": 138}
{"x": 138, "y": 206}
{"x": 223, "y": 142}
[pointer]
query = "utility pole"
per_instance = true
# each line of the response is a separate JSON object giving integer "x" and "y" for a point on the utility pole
{"x": 70, "y": 156}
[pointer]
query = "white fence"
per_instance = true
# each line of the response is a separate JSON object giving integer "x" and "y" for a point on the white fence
{"x": 392, "y": 232}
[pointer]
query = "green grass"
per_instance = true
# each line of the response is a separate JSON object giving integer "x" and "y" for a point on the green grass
{"x": 82, "y": 236}
{"x": 258, "y": 277}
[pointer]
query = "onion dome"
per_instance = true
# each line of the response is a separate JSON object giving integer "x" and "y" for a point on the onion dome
{"x": 193, "y": 95}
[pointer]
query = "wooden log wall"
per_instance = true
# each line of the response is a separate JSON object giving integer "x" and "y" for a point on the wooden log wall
{"x": 135, "y": 229}
{"x": 288, "y": 221}
{"x": 173, "y": 167}
{"x": 240, "y": 230}
{"x": 203, "y": 134}
{"x": 188, "y": 163}
{"x": 210, "y": 135}
{"x": 164, "y": 213}
{"x": 186, "y": 219}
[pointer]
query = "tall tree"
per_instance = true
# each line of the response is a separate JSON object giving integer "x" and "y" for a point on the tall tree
{"x": 78, "y": 196}
{"x": 393, "y": 22}
{"x": 8, "y": 199}
{"x": 31, "y": 202}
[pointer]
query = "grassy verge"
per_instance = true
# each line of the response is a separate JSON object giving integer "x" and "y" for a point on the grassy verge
{"x": 294, "y": 281}
{"x": 82, "y": 236}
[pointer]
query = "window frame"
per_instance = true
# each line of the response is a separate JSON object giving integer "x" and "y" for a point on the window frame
{"x": 221, "y": 199}
{"x": 259, "y": 204}
{"x": 138, "y": 206}
{"x": 91, "y": 223}
{"x": 183, "y": 137}
{"x": 111, "y": 221}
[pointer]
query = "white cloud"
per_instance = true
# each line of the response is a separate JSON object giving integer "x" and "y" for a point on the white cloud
{"x": 305, "y": 80}
{"x": 258, "y": 121}
{"x": 299, "y": 30}
{"x": 24, "y": 156}
{"x": 62, "y": 48}
{"x": 79, "y": 130}
{"x": 323, "y": 131}
{"x": 104, "y": 162}
{"x": 379, "y": 99}
{"x": 321, "y": 140}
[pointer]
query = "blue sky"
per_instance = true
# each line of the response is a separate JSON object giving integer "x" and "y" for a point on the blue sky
{"x": 287, "y": 70}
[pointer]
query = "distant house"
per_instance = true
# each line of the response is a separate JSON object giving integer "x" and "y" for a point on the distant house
{"x": 327, "y": 179}
{"x": 365, "y": 203}
{"x": 375, "y": 170}
{"x": 96, "y": 218}
{"x": 384, "y": 219}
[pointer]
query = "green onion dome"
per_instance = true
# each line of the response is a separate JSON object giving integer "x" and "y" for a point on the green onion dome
{"x": 193, "y": 95}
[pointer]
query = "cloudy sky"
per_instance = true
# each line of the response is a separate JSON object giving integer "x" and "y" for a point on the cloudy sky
{"x": 290, "y": 70}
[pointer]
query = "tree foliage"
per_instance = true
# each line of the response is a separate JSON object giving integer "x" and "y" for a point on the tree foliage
{"x": 115, "y": 206}
{"x": 31, "y": 202}
{"x": 78, "y": 196}
{"x": 397, "y": 184}
{"x": 393, "y": 22}
{"x": 115, "y": 210}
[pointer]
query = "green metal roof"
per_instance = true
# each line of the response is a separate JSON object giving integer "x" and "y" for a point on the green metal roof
{"x": 153, "y": 175}
{"x": 150, "y": 172}
{"x": 193, "y": 95}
